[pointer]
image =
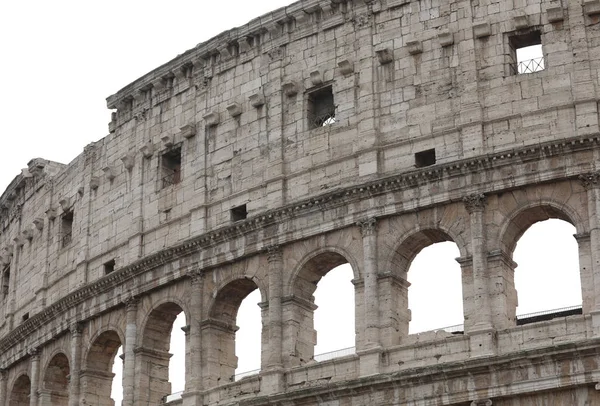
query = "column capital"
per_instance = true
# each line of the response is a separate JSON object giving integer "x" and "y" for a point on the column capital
{"x": 34, "y": 353}
{"x": 76, "y": 328}
{"x": 367, "y": 226}
{"x": 131, "y": 303}
{"x": 590, "y": 180}
{"x": 274, "y": 253}
{"x": 474, "y": 202}
{"x": 196, "y": 275}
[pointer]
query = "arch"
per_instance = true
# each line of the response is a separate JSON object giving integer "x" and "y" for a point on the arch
{"x": 55, "y": 382}
{"x": 220, "y": 328}
{"x": 97, "y": 376}
{"x": 21, "y": 389}
{"x": 520, "y": 219}
{"x": 316, "y": 264}
{"x": 413, "y": 241}
{"x": 153, "y": 355}
{"x": 229, "y": 295}
{"x": 299, "y": 306}
{"x": 394, "y": 290}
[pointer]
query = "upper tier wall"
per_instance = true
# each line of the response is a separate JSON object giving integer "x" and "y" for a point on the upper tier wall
{"x": 233, "y": 115}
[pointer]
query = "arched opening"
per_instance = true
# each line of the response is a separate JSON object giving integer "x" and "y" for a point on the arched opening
{"x": 248, "y": 336}
{"x": 19, "y": 396}
{"x": 334, "y": 317}
{"x": 435, "y": 295}
{"x": 154, "y": 356}
{"x": 55, "y": 389}
{"x": 97, "y": 376}
{"x": 547, "y": 276}
{"x": 117, "y": 370}
{"x": 300, "y": 311}
{"x": 219, "y": 332}
{"x": 427, "y": 293}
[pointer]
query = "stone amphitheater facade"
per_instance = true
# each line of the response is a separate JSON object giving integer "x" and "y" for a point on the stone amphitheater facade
{"x": 323, "y": 133}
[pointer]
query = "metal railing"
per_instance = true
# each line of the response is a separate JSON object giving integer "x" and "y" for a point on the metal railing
{"x": 171, "y": 179}
{"x": 324, "y": 120}
{"x": 335, "y": 354}
{"x": 531, "y": 65}
{"x": 548, "y": 315}
{"x": 246, "y": 374}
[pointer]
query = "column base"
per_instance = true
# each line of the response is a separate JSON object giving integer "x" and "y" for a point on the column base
{"x": 370, "y": 361}
{"x": 595, "y": 322}
{"x": 192, "y": 398}
{"x": 272, "y": 381}
{"x": 483, "y": 343}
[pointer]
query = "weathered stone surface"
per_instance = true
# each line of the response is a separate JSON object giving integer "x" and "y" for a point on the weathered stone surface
{"x": 323, "y": 133}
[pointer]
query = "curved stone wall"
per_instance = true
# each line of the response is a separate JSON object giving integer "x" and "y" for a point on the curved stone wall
{"x": 323, "y": 133}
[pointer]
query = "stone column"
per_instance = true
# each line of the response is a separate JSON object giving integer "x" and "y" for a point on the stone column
{"x": 475, "y": 205}
{"x": 275, "y": 310}
{"x": 371, "y": 297}
{"x": 193, "y": 383}
{"x": 481, "y": 332}
{"x": 74, "y": 381}
{"x": 3, "y": 385}
{"x": 35, "y": 372}
{"x": 129, "y": 352}
{"x": 591, "y": 183}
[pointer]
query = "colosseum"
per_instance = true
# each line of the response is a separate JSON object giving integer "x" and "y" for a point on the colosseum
{"x": 323, "y": 133}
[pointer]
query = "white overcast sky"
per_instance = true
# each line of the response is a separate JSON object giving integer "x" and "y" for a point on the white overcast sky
{"x": 60, "y": 60}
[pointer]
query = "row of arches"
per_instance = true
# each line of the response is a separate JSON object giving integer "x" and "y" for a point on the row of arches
{"x": 219, "y": 326}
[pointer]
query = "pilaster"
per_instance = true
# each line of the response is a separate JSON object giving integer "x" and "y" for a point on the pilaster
{"x": 129, "y": 351}
{"x": 193, "y": 383}
{"x": 34, "y": 374}
{"x": 74, "y": 380}
{"x": 481, "y": 332}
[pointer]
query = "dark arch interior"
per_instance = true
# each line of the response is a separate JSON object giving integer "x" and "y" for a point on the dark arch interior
{"x": 157, "y": 333}
{"x": 20, "y": 393}
{"x": 57, "y": 373}
{"x": 230, "y": 298}
{"x": 102, "y": 353}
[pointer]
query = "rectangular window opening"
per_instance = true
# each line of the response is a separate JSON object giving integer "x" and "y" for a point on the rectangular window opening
{"x": 526, "y": 53}
{"x": 425, "y": 158}
{"x": 66, "y": 228}
{"x": 239, "y": 213}
{"x": 321, "y": 108}
{"x": 171, "y": 167}
{"x": 109, "y": 267}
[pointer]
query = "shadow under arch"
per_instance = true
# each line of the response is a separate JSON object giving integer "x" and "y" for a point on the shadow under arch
{"x": 21, "y": 389}
{"x": 96, "y": 375}
{"x": 299, "y": 304}
{"x": 55, "y": 384}
{"x": 218, "y": 331}
{"x": 517, "y": 222}
{"x": 153, "y": 355}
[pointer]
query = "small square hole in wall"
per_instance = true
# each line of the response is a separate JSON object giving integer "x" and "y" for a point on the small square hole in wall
{"x": 239, "y": 213}
{"x": 526, "y": 55}
{"x": 109, "y": 267}
{"x": 171, "y": 167}
{"x": 25, "y": 316}
{"x": 321, "y": 108}
{"x": 425, "y": 158}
